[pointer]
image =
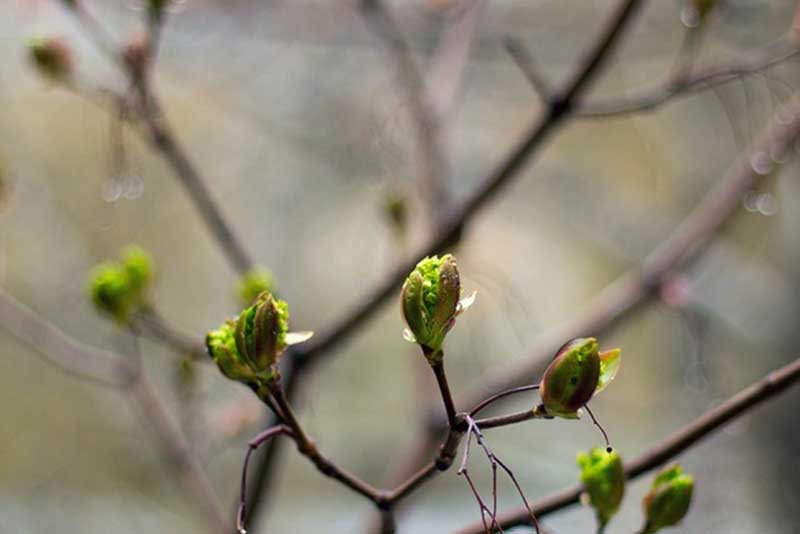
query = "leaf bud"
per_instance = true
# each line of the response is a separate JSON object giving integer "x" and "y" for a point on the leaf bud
{"x": 577, "y": 372}
{"x": 668, "y": 499}
{"x": 604, "y": 479}
{"x": 119, "y": 289}
{"x": 430, "y": 303}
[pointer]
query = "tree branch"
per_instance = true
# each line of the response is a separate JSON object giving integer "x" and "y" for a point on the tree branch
{"x": 663, "y": 451}
{"x": 113, "y": 369}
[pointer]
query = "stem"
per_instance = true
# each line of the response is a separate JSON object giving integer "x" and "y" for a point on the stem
{"x": 444, "y": 389}
{"x": 501, "y": 395}
{"x": 511, "y": 419}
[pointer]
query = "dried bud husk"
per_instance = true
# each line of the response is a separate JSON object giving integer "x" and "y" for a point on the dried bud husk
{"x": 430, "y": 302}
{"x": 253, "y": 283}
{"x": 668, "y": 500}
{"x": 604, "y": 479}
{"x": 577, "y": 372}
{"x": 222, "y": 348}
{"x": 52, "y": 57}
{"x": 261, "y": 334}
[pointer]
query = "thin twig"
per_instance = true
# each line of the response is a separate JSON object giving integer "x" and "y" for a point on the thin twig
{"x": 768, "y": 387}
{"x": 503, "y": 394}
{"x": 159, "y": 133}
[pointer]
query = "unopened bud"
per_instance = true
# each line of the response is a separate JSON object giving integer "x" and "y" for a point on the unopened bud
{"x": 261, "y": 333}
{"x": 604, "y": 479}
{"x": 52, "y": 57}
{"x": 249, "y": 348}
{"x": 577, "y": 372}
{"x": 430, "y": 303}
{"x": 155, "y": 8}
{"x": 668, "y": 500}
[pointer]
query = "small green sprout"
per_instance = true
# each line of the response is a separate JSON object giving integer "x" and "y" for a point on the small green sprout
{"x": 119, "y": 289}
{"x": 430, "y": 303}
{"x": 668, "y": 500}
{"x": 604, "y": 479}
{"x": 248, "y": 348}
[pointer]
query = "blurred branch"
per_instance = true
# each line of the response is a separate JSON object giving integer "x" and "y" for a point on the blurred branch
{"x": 450, "y": 229}
{"x": 663, "y": 451}
{"x": 616, "y": 302}
{"x": 159, "y": 133}
{"x": 114, "y": 370}
{"x": 683, "y": 80}
{"x": 153, "y": 325}
{"x": 102, "y": 366}
{"x": 425, "y": 119}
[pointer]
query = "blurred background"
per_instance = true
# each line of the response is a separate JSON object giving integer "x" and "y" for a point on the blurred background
{"x": 296, "y": 116}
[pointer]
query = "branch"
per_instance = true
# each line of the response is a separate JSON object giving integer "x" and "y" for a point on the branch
{"x": 683, "y": 81}
{"x": 158, "y": 132}
{"x": 740, "y": 404}
{"x": 114, "y": 370}
{"x": 424, "y": 117}
{"x": 102, "y": 366}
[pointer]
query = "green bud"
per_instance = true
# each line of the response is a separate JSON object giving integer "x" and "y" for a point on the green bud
{"x": 668, "y": 500}
{"x": 430, "y": 303}
{"x": 110, "y": 291}
{"x": 52, "y": 57}
{"x": 222, "y": 348}
{"x": 70, "y": 4}
{"x": 604, "y": 479}
{"x": 261, "y": 333}
{"x": 248, "y": 348}
{"x": 119, "y": 289}
{"x": 577, "y": 372}
{"x": 253, "y": 283}
{"x": 138, "y": 265}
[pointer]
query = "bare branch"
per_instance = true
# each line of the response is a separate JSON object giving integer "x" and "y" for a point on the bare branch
{"x": 74, "y": 357}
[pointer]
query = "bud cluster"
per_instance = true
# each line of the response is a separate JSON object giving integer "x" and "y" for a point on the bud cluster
{"x": 119, "y": 289}
{"x": 431, "y": 302}
{"x": 248, "y": 349}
